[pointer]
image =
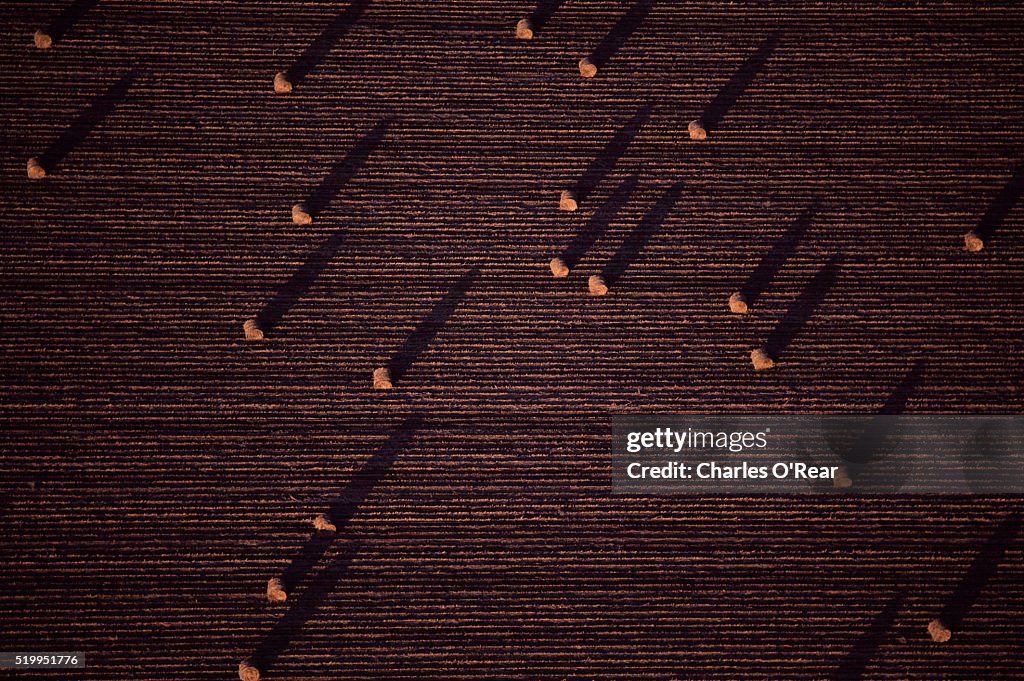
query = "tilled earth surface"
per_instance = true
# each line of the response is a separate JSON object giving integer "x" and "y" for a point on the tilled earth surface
{"x": 158, "y": 469}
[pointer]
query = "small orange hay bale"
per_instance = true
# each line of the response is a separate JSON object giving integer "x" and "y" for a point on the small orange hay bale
{"x": 275, "y": 591}
{"x": 697, "y": 130}
{"x": 973, "y": 241}
{"x": 597, "y": 285}
{"x": 559, "y": 268}
{"x": 282, "y": 85}
{"x": 761, "y": 360}
{"x": 524, "y": 29}
{"x": 252, "y": 329}
{"x": 247, "y": 671}
{"x": 36, "y": 171}
{"x": 382, "y": 379}
{"x": 938, "y": 631}
{"x": 300, "y": 215}
{"x": 842, "y": 479}
{"x": 588, "y": 69}
{"x": 42, "y": 40}
{"x": 567, "y": 201}
{"x": 323, "y": 523}
{"x": 738, "y": 303}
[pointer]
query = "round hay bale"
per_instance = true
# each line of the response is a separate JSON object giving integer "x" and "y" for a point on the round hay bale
{"x": 247, "y": 671}
{"x": 382, "y": 379}
{"x": 938, "y": 631}
{"x": 323, "y": 523}
{"x": 697, "y": 130}
{"x": 842, "y": 479}
{"x": 588, "y": 69}
{"x": 42, "y": 40}
{"x": 524, "y": 29}
{"x": 36, "y": 171}
{"x": 738, "y": 303}
{"x": 282, "y": 85}
{"x": 973, "y": 241}
{"x": 559, "y": 268}
{"x": 597, "y": 285}
{"x": 300, "y": 215}
{"x": 567, "y": 200}
{"x": 761, "y": 360}
{"x": 252, "y": 329}
{"x": 275, "y": 591}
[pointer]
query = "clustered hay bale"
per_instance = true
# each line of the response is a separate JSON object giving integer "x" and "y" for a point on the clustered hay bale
{"x": 567, "y": 201}
{"x": 524, "y": 29}
{"x": 301, "y": 215}
{"x": 382, "y": 379}
{"x": 559, "y": 268}
{"x": 938, "y": 631}
{"x": 738, "y": 303}
{"x": 588, "y": 69}
{"x": 252, "y": 329}
{"x": 761, "y": 360}
{"x": 275, "y": 590}
{"x": 42, "y": 40}
{"x": 597, "y": 285}
{"x": 282, "y": 85}
{"x": 247, "y": 671}
{"x": 323, "y": 523}
{"x": 697, "y": 130}
{"x": 36, "y": 171}
{"x": 973, "y": 241}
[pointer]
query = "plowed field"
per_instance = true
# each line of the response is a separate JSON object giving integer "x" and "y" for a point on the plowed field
{"x": 157, "y": 468}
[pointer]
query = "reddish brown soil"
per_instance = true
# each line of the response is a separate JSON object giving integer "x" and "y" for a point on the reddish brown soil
{"x": 158, "y": 469}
